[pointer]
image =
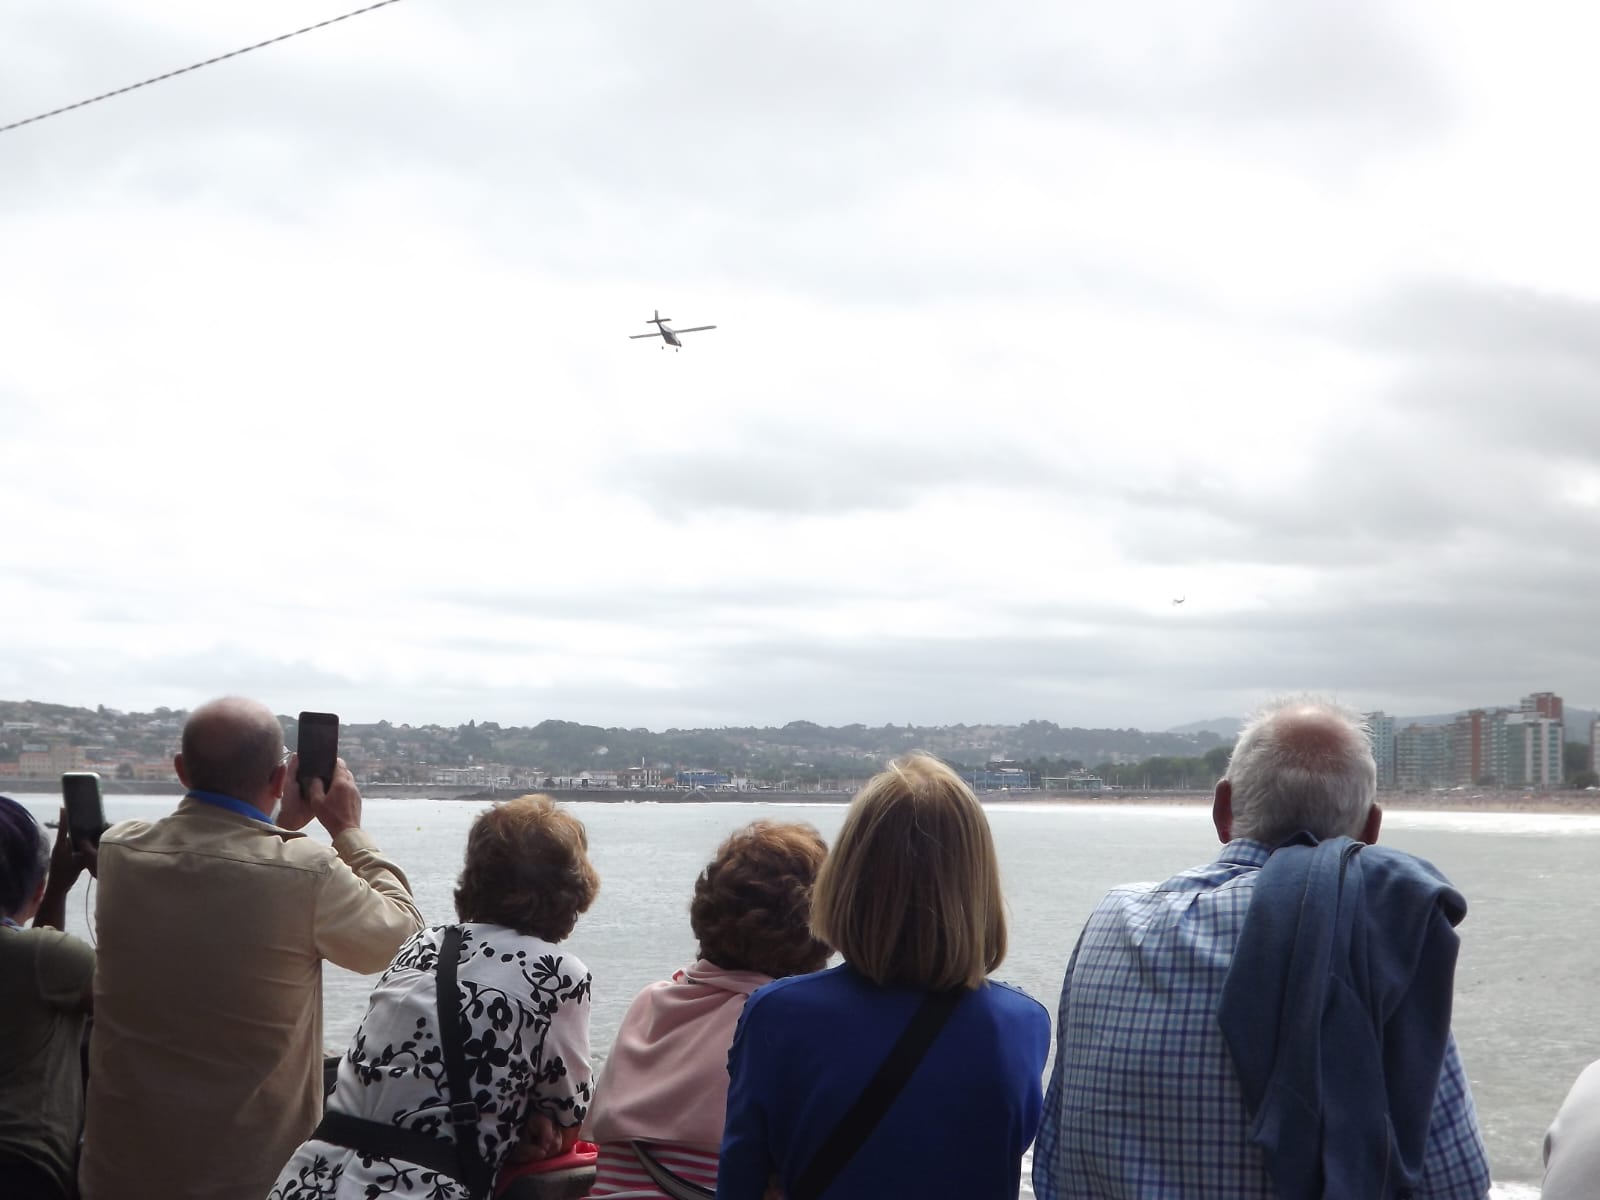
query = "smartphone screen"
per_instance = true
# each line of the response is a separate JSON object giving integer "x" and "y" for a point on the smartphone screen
{"x": 318, "y": 747}
{"x": 86, "y": 814}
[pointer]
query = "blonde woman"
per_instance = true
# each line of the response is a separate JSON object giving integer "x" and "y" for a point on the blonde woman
{"x": 905, "y": 1071}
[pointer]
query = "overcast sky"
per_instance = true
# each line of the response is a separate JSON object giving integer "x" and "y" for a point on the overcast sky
{"x": 315, "y": 382}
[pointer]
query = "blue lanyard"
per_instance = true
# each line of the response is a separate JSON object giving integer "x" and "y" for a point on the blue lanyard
{"x": 9, "y": 923}
{"x": 230, "y": 803}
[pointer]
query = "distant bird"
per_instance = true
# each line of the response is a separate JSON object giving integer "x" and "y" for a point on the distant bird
{"x": 1180, "y": 599}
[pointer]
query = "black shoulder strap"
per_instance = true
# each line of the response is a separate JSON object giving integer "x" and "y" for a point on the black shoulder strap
{"x": 856, "y": 1126}
{"x": 674, "y": 1186}
{"x": 475, "y": 1173}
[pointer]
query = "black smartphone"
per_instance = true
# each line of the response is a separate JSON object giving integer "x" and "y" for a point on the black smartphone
{"x": 86, "y": 813}
{"x": 318, "y": 747}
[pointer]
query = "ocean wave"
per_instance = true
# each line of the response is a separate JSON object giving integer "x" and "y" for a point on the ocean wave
{"x": 1536, "y": 823}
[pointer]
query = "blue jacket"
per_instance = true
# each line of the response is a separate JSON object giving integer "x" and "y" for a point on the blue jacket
{"x": 1336, "y": 1012}
{"x": 807, "y": 1046}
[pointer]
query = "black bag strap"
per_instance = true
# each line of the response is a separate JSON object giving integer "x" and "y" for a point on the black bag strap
{"x": 856, "y": 1126}
{"x": 388, "y": 1141}
{"x": 474, "y": 1172}
{"x": 675, "y": 1186}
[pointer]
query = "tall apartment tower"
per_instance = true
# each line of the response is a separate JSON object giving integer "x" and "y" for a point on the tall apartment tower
{"x": 1476, "y": 747}
{"x": 1533, "y": 746}
{"x": 1380, "y": 727}
{"x": 1422, "y": 757}
{"x": 1545, "y": 704}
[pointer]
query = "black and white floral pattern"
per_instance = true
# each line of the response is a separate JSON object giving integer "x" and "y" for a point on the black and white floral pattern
{"x": 525, "y": 1005}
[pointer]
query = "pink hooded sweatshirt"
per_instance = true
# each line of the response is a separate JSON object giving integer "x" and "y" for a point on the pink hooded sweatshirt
{"x": 666, "y": 1079}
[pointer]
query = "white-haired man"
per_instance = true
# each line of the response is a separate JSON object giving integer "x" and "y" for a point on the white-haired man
{"x": 206, "y": 1057}
{"x": 1275, "y": 1023}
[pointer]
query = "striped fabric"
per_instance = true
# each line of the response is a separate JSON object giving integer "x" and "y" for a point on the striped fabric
{"x": 1144, "y": 1101}
{"x": 620, "y": 1173}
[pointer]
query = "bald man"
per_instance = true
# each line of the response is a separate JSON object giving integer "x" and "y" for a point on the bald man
{"x": 213, "y": 923}
{"x": 1274, "y": 1024}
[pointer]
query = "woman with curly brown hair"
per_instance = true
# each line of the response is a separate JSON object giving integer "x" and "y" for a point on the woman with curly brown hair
{"x": 476, "y": 1032}
{"x": 658, "y": 1109}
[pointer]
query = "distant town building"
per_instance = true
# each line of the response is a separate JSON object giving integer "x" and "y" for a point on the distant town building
{"x": 639, "y": 777}
{"x": 1545, "y": 704}
{"x": 1487, "y": 747}
{"x": 999, "y": 777}
{"x": 1594, "y": 746}
{"x": 701, "y": 779}
{"x": 1477, "y": 748}
{"x": 1380, "y": 727}
{"x": 1422, "y": 757}
{"x": 46, "y": 762}
{"x": 462, "y": 776}
{"x": 1533, "y": 747}
{"x": 1073, "y": 783}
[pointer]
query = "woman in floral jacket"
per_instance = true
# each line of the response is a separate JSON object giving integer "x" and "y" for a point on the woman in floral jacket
{"x": 522, "y": 1008}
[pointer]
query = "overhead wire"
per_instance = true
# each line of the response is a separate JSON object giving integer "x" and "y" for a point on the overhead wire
{"x": 282, "y": 37}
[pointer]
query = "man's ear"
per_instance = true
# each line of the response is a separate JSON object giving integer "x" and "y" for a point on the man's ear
{"x": 279, "y": 780}
{"x": 1369, "y": 831}
{"x": 177, "y": 765}
{"x": 1222, "y": 811}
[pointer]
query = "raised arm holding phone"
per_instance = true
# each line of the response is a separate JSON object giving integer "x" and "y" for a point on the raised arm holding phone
{"x": 70, "y": 857}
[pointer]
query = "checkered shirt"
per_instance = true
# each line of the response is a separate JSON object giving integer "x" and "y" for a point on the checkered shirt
{"x": 1144, "y": 1103}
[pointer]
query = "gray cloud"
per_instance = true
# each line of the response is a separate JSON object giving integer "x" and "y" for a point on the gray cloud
{"x": 125, "y": 678}
{"x": 1319, "y": 68}
{"x": 733, "y": 120}
{"x": 1472, "y": 320}
{"x": 654, "y": 600}
{"x": 803, "y": 470}
{"x": 1407, "y": 658}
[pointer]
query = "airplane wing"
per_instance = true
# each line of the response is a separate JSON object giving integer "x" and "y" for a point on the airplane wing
{"x": 691, "y": 329}
{"x": 636, "y": 336}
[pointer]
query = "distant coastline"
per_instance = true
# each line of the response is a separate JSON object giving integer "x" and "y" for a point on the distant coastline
{"x": 1452, "y": 801}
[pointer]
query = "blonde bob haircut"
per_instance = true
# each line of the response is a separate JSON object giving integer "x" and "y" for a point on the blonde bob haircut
{"x": 910, "y": 893}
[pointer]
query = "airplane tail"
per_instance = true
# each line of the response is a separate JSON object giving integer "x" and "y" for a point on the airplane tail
{"x": 657, "y": 319}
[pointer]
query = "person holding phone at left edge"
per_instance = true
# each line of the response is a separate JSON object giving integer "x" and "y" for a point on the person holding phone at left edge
{"x": 205, "y": 1067}
{"x": 46, "y": 979}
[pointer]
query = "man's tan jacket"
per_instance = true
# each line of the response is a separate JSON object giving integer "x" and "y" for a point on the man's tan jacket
{"x": 205, "y": 1065}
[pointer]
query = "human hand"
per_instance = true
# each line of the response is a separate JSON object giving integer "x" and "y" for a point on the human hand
{"x": 541, "y": 1138}
{"x": 339, "y": 807}
{"x": 296, "y": 810}
{"x": 68, "y": 861}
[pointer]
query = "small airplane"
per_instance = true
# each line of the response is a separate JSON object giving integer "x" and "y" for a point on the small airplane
{"x": 668, "y": 335}
{"x": 1180, "y": 600}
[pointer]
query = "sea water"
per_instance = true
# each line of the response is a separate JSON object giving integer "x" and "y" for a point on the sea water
{"x": 1528, "y": 971}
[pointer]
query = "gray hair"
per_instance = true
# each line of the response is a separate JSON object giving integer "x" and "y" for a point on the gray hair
{"x": 1302, "y": 763}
